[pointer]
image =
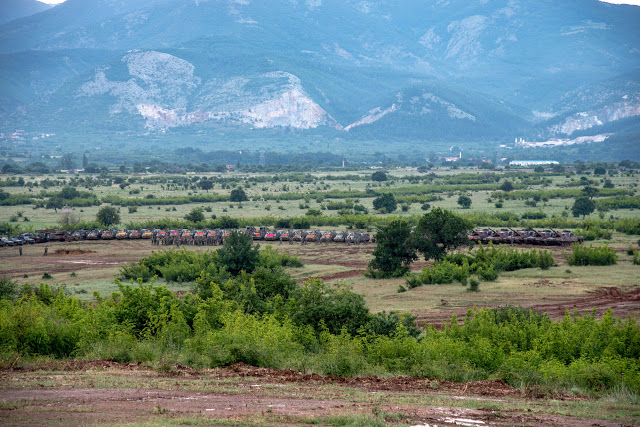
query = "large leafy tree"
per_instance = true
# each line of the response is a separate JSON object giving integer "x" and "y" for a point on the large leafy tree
{"x": 238, "y": 195}
{"x": 196, "y": 215}
{"x": 206, "y": 184}
{"x": 464, "y": 201}
{"x": 583, "y": 206}
{"x": 379, "y": 176}
{"x": 238, "y": 254}
{"x": 108, "y": 215}
{"x": 394, "y": 251}
{"x": 385, "y": 202}
{"x": 439, "y": 231}
{"x": 69, "y": 193}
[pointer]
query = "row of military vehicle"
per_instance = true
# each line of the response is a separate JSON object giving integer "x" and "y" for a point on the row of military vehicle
{"x": 525, "y": 237}
{"x": 203, "y": 237}
{"x": 217, "y": 236}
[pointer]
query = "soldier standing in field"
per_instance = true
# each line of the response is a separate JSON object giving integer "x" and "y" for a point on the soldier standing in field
{"x": 20, "y": 250}
{"x": 46, "y": 250}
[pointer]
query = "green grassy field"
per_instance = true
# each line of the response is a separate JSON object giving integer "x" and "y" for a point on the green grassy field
{"x": 257, "y": 191}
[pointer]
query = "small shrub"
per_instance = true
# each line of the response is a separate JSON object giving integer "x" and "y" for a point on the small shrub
{"x": 488, "y": 273}
{"x": 473, "y": 285}
{"x": 630, "y": 251}
{"x": 636, "y": 258}
{"x": 594, "y": 233}
{"x": 8, "y": 288}
{"x": 441, "y": 272}
{"x": 590, "y": 255}
{"x": 47, "y": 276}
{"x": 133, "y": 209}
{"x": 534, "y": 215}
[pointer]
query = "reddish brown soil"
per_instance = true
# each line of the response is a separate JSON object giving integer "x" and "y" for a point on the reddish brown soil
{"x": 623, "y": 303}
{"x": 245, "y": 391}
{"x": 72, "y": 252}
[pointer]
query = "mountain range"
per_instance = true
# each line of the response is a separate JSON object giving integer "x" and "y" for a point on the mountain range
{"x": 439, "y": 70}
{"x": 13, "y": 9}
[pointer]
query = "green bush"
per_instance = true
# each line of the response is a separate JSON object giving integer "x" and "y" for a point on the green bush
{"x": 628, "y": 226}
{"x": 8, "y": 288}
{"x": 594, "y": 233}
{"x": 441, "y": 272}
{"x": 238, "y": 254}
{"x": 316, "y": 303}
{"x": 523, "y": 347}
{"x": 485, "y": 262}
{"x": 590, "y": 255}
{"x": 272, "y": 258}
{"x": 534, "y": 215}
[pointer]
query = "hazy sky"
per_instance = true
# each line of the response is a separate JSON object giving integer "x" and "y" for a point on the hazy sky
{"x": 634, "y": 2}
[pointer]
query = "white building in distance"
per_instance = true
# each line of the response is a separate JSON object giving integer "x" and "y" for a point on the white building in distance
{"x": 532, "y": 162}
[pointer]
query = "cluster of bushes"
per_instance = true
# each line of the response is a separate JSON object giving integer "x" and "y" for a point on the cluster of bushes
{"x": 186, "y": 266}
{"x": 176, "y": 200}
{"x": 628, "y": 225}
{"x": 534, "y": 215}
{"x": 561, "y": 193}
{"x": 313, "y": 332}
{"x": 594, "y": 233}
{"x": 590, "y": 255}
{"x": 334, "y": 206}
{"x": 618, "y": 202}
{"x": 486, "y": 263}
{"x": 7, "y": 199}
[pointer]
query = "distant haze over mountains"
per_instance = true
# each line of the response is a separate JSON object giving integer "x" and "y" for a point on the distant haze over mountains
{"x": 441, "y": 70}
{"x": 13, "y": 9}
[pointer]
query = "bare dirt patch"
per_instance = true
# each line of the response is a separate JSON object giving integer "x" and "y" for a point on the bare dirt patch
{"x": 72, "y": 252}
{"x": 240, "y": 393}
{"x": 622, "y": 302}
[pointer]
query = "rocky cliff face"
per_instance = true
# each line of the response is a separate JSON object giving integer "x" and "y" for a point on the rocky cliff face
{"x": 417, "y": 104}
{"x": 164, "y": 90}
{"x": 629, "y": 107}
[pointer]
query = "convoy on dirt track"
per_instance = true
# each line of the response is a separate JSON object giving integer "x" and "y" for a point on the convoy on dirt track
{"x": 204, "y": 237}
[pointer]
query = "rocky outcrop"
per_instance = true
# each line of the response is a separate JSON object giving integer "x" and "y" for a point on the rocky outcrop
{"x": 588, "y": 119}
{"x": 166, "y": 92}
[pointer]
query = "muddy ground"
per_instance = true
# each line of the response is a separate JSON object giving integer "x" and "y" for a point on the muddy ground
{"x": 80, "y": 393}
